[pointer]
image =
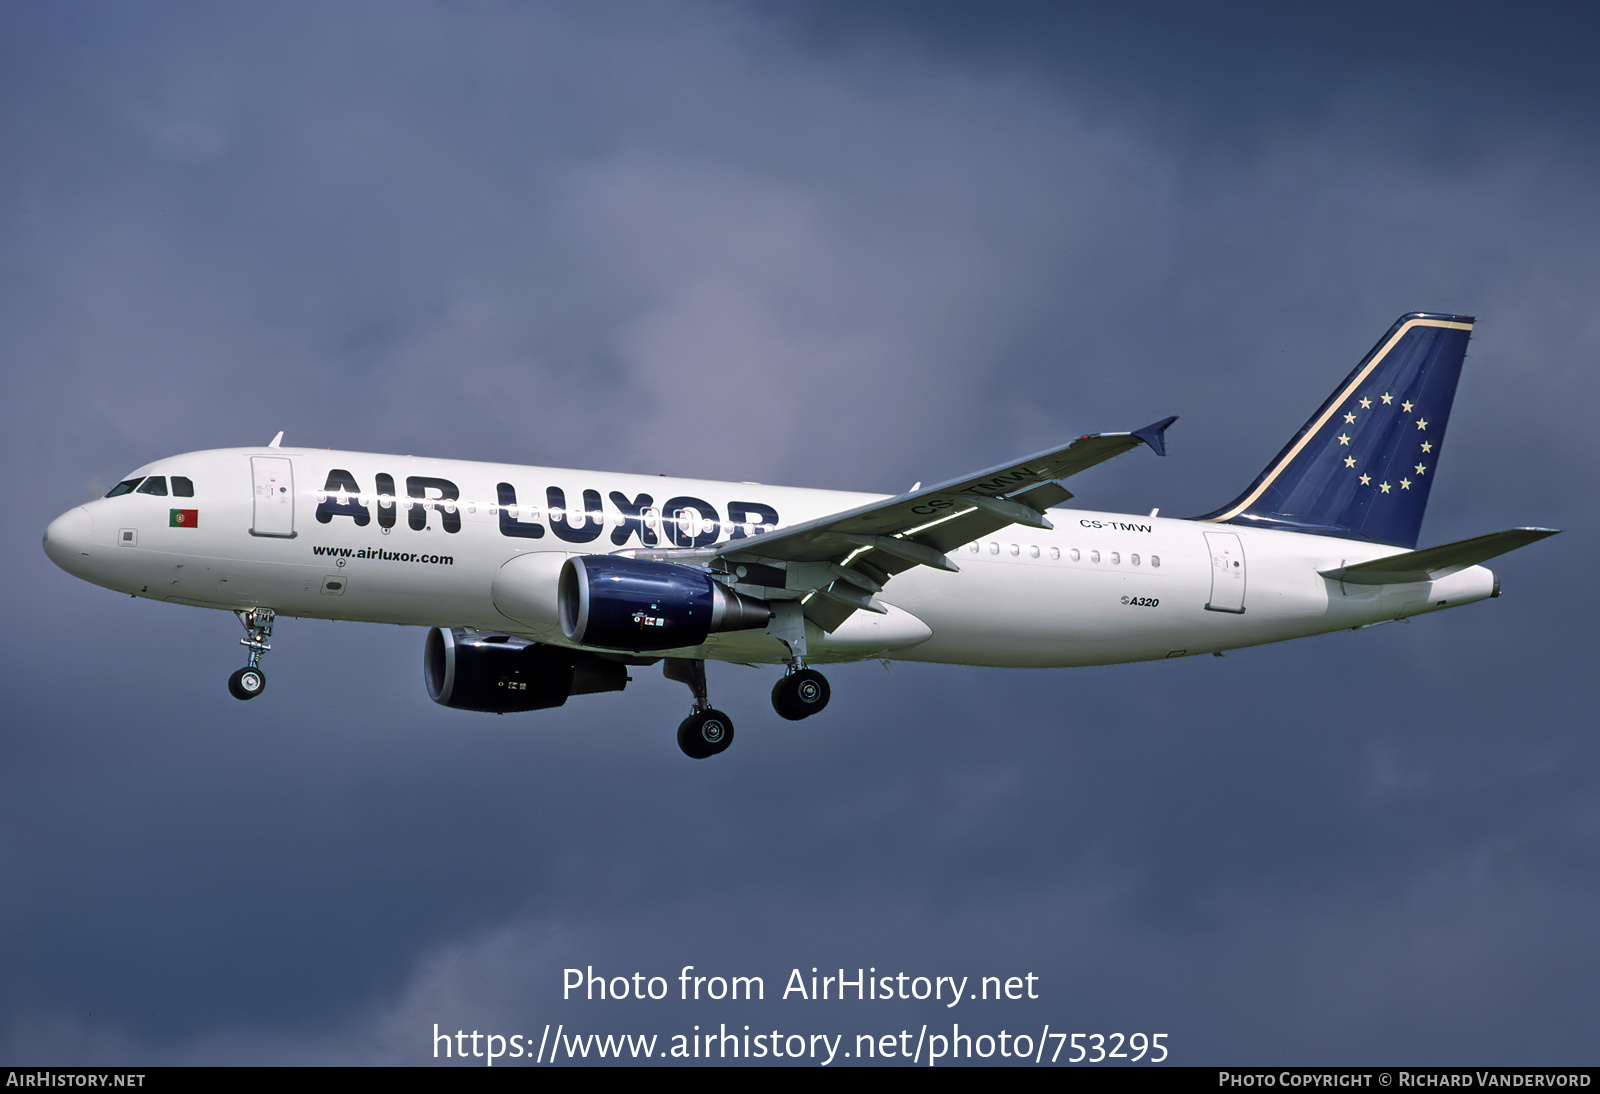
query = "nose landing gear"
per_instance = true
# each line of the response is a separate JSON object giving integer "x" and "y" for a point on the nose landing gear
{"x": 247, "y": 683}
{"x": 706, "y": 731}
{"x": 250, "y": 681}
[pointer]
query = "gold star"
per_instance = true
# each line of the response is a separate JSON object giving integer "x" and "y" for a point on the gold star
{"x": 1344, "y": 438}
{"x": 1427, "y": 446}
{"x": 1349, "y": 417}
{"x": 1405, "y": 484}
{"x": 1384, "y": 487}
{"x": 1406, "y": 406}
{"x": 1387, "y": 398}
{"x": 1421, "y": 469}
{"x": 1349, "y": 461}
{"x": 1366, "y": 403}
{"x": 1422, "y": 423}
{"x": 1366, "y": 480}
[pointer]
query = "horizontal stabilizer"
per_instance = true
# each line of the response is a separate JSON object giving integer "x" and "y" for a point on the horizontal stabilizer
{"x": 1435, "y": 562}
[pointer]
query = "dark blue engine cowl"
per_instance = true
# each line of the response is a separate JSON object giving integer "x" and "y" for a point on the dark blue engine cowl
{"x": 619, "y": 603}
{"x": 502, "y": 674}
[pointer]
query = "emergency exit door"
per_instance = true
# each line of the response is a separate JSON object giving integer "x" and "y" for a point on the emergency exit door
{"x": 273, "y": 480}
{"x": 1227, "y": 573}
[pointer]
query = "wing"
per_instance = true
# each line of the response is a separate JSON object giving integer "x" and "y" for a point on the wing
{"x": 836, "y": 563}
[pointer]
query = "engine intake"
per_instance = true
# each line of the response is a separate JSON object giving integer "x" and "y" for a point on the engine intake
{"x": 630, "y": 604}
{"x": 500, "y": 674}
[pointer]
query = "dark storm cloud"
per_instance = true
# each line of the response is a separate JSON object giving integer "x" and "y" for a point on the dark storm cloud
{"x": 853, "y": 246}
{"x": 1450, "y": 82}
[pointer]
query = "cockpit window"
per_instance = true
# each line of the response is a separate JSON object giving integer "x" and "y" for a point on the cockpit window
{"x": 182, "y": 487}
{"x": 124, "y": 487}
{"x": 155, "y": 484}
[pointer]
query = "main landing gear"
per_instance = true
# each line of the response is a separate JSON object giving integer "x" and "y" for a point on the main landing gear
{"x": 250, "y": 681}
{"x": 706, "y": 731}
{"x": 800, "y": 693}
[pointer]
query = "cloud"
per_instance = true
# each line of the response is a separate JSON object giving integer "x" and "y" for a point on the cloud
{"x": 711, "y": 240}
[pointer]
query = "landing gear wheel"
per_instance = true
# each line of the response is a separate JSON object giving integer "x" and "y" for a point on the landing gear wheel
{"x": 705, "y": 733}
{"x": 247, "y": 683}
{"x": 801, "y": 694}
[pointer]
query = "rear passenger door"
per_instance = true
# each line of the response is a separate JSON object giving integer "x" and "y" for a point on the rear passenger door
{"x": 1227, "y": 573}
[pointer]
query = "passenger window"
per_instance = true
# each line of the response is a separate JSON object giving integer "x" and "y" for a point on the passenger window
{"x": 1094, "y": 556}
{"x": 974, "y": 546}
{"x": 1134, "y": 559}
{"x": 1075, "y": 555}
{"x": 1014, "y": 549}
{"x": 1116, "y": 559}
{"x": 155, "y": 484}
{"x": 182, "y": 487}
{"x": 1033, "y": 551}
{"x": 994, "y": 548}
{"x": 1055, "y": 553}
{"x": 124, "y": 487}
{"x": 1155, "y": 561}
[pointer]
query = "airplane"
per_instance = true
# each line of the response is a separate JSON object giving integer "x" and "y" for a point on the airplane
{"x": 539, "y": 584}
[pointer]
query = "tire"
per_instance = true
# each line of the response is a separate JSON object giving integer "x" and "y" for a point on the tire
{"x": 705, "y": 734}
{"x": 801, "y": 694}
{"x": 247, "y": 683}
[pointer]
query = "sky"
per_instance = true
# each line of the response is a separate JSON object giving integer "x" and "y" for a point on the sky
{"x": 849, "y": 245}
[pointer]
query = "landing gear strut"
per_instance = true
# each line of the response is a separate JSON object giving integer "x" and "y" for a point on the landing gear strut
{"x": 706, "y": 731}
{"x": 800, "y": 693}
{"x": 250, "y": 681}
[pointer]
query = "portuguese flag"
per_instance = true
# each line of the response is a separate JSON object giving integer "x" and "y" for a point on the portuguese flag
{"x": 184, "y": 518}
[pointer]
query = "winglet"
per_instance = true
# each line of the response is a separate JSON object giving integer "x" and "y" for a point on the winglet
{"x": 276, "y": 440}
{"x": 1155, "y": 435}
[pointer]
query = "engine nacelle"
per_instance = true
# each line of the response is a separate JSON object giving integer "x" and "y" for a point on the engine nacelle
{"x": 629, "y": 604}
{"x": 524, "y": 590}
{"x": 499, "y": 674}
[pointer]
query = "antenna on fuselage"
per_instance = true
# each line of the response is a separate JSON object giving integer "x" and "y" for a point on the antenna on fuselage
{"x": 276, "y": 439}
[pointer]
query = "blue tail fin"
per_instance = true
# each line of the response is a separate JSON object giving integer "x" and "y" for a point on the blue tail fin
{"x": 1362, "y": 466}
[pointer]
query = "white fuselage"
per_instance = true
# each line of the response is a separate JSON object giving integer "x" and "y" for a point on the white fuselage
{"x": 1099, "y": 589}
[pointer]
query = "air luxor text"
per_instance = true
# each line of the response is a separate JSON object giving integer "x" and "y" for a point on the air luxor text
{"x": 585, "y": 983}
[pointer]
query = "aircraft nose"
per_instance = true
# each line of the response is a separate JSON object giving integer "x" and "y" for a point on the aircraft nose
{"x": 69, "y": 538}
